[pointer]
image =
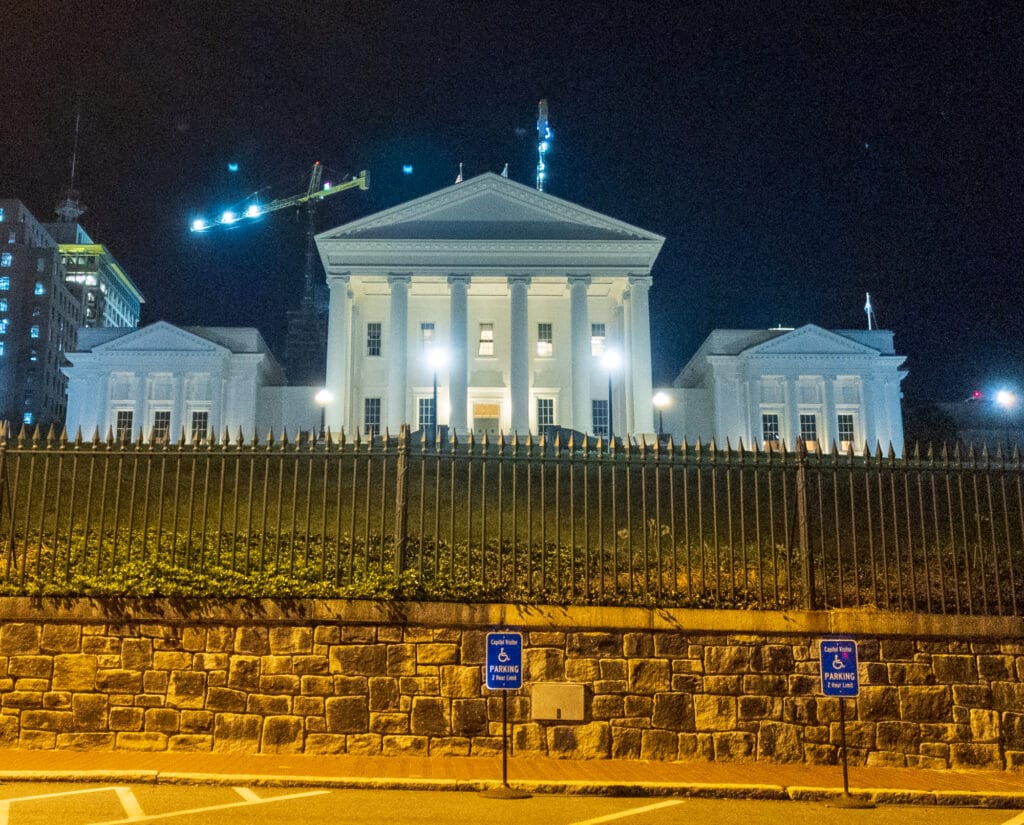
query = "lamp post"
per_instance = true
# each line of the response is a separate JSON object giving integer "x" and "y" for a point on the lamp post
{"x": 323, "y": 397}
{"x": 611, "y": 360}
{"x": 438, "y": 357}
{"x": 660, "y": 401}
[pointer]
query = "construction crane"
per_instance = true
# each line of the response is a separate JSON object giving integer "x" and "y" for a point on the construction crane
{"x": 316, "y": 191}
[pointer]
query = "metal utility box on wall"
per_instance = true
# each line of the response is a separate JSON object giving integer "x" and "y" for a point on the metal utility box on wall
{"x": 558, "y": 700}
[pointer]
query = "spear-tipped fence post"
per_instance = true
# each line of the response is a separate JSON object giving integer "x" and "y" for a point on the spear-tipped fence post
{"x": 401, "y": 499}
{"x": 803, "y": 534}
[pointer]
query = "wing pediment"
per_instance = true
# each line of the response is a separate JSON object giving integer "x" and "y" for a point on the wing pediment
{"x": 810, "y": 340}
{"x": 160, "y": 337}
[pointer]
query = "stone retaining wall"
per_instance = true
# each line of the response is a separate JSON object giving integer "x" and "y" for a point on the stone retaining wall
{"x": 336, "y": 677}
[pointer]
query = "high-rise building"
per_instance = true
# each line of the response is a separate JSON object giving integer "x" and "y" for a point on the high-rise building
{"x": 39, "y": 319}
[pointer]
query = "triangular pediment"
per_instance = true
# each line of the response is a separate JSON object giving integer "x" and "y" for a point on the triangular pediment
{"x": 160, "y": 337}
{"x": 489, "y": 208}
{"x": 810, "y": 340}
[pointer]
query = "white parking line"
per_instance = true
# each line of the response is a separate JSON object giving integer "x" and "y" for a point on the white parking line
{"x": 248, "y": 794}
{"x": 5, "y": 804}
{"x": 132, "y": 808}
{"x": 631, "y": 812}
{"x": 1017, "y": 820}
{"x": 172, "y": 814}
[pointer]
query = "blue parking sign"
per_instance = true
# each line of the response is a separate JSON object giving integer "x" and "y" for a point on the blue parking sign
{"x": 504, "y": 661}
{"x": 839, "y": 667}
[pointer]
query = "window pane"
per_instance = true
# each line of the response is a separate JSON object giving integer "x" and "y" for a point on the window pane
{"x": 545, "y": 412}
{"x": 845, "y": 427}
{"x": 6, "y": 259}
{"x": 809, "y": 427}
{"x": 770, "y": 427}
{"x": 123, "y": 425}
{"x": 425, "y": 416}
{"x": 161, "y": 424}
{"x": 373, "y": 336}
{"x": 427, "y": 334}
{"x": 486, "y": 339}
{"x": 371, "y": 416}
{"x": 597, "y": 339}
{"x": 599, "y": 414}
{"x": 200, "y": 425}
{"x": 544, "y": 340}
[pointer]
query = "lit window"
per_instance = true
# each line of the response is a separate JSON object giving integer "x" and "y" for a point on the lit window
{"x": 123, "y": 425}
{"x": 161, "y": 425}
{"x": 599, "y": 415}
{"x": 200, "y": 425}
{"x": 770, "y": 428}
{"x": 28, "y": 418}
{"x": 6, "y": 259}
{"x": 597, "y": 339}
{"x": 3, "y": 305}
{"x": 371, "y": 416}
{"x": 1, "y": 214}
{"x": 545, "y": 412}
{"x": 5, "y": 283}
{"x": 544, "y": 340}
{"x": 34, "y": 332}
{"x": 845, "y": 430}
{"x": 34, "y": 356}
{"x": 373, "y": 338}
{"x": 40, "y": 264}
{"x": 12, "y": 237}
{"x": 1, "y": 347}
{"x": 3, "y": 325}
{"x": 427, "y": 334}
{"x": 426, "y": 417}
{"x": 486, "y": 340}
{"x": 809, "y": 427}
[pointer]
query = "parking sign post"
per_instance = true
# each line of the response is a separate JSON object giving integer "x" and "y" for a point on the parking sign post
{"x": 504, "y": 672}
{"x": 839, "y": 678}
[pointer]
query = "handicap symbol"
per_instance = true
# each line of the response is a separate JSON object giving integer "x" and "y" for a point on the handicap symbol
{"x": 503, "y": 656}
{"x": 838, "y": 664}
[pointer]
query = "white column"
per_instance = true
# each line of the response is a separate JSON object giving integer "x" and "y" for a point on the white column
{"x": 868, "y": 401}
{"x": 398, "y": 352}
{"x": 580, "y": 354}
{"x": 624, "y": 399}
{"x": 458, "y": 286}
{"x": 792, "y": 429}
{"x": 640, "y": 355}
{"x": 178, "y": 410}
{"x": 615, "y": 340}
{"x": 337, "y": 378}
{"x": 828, "y": 429}
{"x": 519, "y": 362}
{"x": 755, "y": 431}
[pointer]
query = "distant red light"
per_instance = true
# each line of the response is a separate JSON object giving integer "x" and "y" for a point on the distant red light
{"x": 977, "y": 393}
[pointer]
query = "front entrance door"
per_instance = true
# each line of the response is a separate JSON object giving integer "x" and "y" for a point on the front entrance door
{"x": 486, "y": 419}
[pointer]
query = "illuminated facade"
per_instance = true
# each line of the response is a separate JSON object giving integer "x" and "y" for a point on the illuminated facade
{"x": 777, "y": 385}
{"x": 39, "y": 318}
{"x": 505, "y": 296}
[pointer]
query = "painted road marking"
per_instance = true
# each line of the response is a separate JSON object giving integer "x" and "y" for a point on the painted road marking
{"x": 248, "y": 794}
{"x": 227, "y": 806}
{"x": 132, "y": 808}
{"x": 631, "y": 812}
{"x": 1017, "y": 820}
{"x": 5, "y": 804}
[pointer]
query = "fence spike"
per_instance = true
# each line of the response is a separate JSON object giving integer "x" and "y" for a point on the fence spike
{"x": 1016, "y": 453}
{"x": 95, "y": 437}
{"x": 62, "y": 439}
{"x": 3, "y": 430}
{"x": 78, "y": 436}
{"x": 470, "y": 441}
{"x": 453, "y": 440}
{"x": 34, "y": 438}
{"x": 1000, "y": 456}
{"x": 515, "y": 441}
{"x": 109, "y": 440}
{"x": 984, "y": 452}
{"x": 643, "y": 445}
{"x": 669, "y": 445}
{"x": 341, "y": 437}
{"x": 529, "y": 443}
{"x": 972, "y": 455}
{"x": 558, "y": 440}
{"x": 21, "y": 436}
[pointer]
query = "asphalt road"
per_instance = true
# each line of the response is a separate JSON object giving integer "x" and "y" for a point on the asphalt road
{"x": 77, "y": 804}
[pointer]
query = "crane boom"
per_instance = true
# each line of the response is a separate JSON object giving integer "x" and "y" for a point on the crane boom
{"x": 314, "y": 192}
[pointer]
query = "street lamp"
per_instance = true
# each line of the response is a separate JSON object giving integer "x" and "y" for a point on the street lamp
{"x": 323, "y": 397}
{"x": 612, "y": 361}
{"x": 660, "y": 401}
{"x": 438, "y": 357}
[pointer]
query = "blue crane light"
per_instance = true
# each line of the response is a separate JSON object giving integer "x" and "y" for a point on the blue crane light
{"x": 199, "y": 224}
{"x": 253, "y": 211}
{"x": 544, "y": 138}
{"x": 228, "y": 217}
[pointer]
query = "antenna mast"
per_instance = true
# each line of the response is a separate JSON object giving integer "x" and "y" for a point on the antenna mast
{"x": 70, "y": 209}
{"x": 869, "y": 310}
{"x": 544, "y": 136}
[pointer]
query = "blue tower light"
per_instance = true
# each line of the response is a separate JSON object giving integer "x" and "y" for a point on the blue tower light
{"x": 544, "y": 139}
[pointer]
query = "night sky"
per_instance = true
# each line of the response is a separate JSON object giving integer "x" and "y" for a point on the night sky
{"x": 794, "y": 158}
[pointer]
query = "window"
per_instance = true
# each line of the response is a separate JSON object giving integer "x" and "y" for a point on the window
{"x": 426, "y": 417}
{"x": 6, "y": 259}
{"x": 373, "y": 338}
{"x": 12, "y": 237}
{"x": 40, "y": 265}
{"x": 371, "y": 416}
{"x": 1, "y": 214}
{"x": 33, "y": 356}
{"x": 545, "y": 412}
{"x": 123, "y": 425}
{"x": 3, "y": 305}
{"x": 34, "y": 331}
{"x": 1, "y": 347}
{"x": 3, "y": 325}
{"x": 597, "y": 339}
{"x": 599, "y": 414}
{"x": 427, "y": 334}
{"x": 844, "y": 430}
{"x": 28, "y": 418}
{"x": 770, "y": 428}
{"x": 545, "y": 346}
{"x": 161, "y": 425}
{"x": 200, "y": 425}
{"x": 5, "y": 283}
{"x": 808, "y": 427}
{"x": 486, "y": 340}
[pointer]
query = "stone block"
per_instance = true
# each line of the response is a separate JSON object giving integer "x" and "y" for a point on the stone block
{"x": 60, "y": 721}
{"x": 732, "y": 685}
{"x": 613, "y": 669}
{"x": 964, "y": 756}
{"x": 771, "y": 685}
{"x": 547, "y": 664}
{"x": 626, "y": 743}
{"x": 448, "y": 746}
{"x": 347, "y": 714}
{"x": 276, "y": 665}
{"x": 89, "y": 711}
{"x": 485, "y": 746}
{"x": 345, "y": 685}
{"x": 193, "y": 639}
{"x": 518, "y": 708}
{"x": 137, "y": 654}
{"x": 282, "y": 734}
{"x": 401, "y": 660}
{"x": 1008, "y": 696}
{"x": 671, "y": 645}
{"x": 820, "y": 754}
{"x": 244, "y": 673}
{"x": 119, "y": 681}
{"x": 145, "y": 741}
{"x": 163, "y": 720}
{"x": 327, "y": 635}
{"x": 901, "y": 737}
{"x": 57, "y": 700}
{"x": 777, "y": 659}
{"x": 875, "y": 673}
{"x": 779, "y": 742}
{"x": 975, "y": 696}
{"x": 74, "y": 672}
{"x": 237, "y": 732}
{"x": 858, "y": 734}
{"x": 284, "y": 684}
{"x": 611, "y": 686}
{"x": 359, "y": 660}
{"x": 220, "y": 639}
{"x": 995, "y": 668}
{"x": 85, "y": 741}
{"x": 687, "y": 683}
{"x": 674, "y": 712}
{"x": 961, "y": 670}
{"x": 607, "y": 706}
{"x": 752, "y": 708}
{"x": 60, "y": 638}
{"x": 308, "y": 706}
{"x": 171, "y": 660}
{"x": 437, "y": 654}
{"x": 734, "y": 746}
{"x": 713, "y": 713}
{"x": 263, "y": 704}
{"x": 473, "y": 646}
{"x": 389, "y": 723}
{"x": 926, "y": 704}
{"x": 196, "y": 721}
{"x": 545, "y": 638}
{"x": 696, "y": 746}
{"x": 155, "y": 681}
{"x": 529, "y": 738}
{"x": 589, "y": 741}
{"x": 649, "y": 675}
{"x": 283, "y": 640}
{"x": 383, "y": 693}
{"x": 636, "y": 705}
{"x": 911, "y": 674}
{"x": 310, "y": 665}
{"x": 894, "y": 650}
{"x": 404, "y": 746}
{"x": 876, "y": 704}
{"x": 428, "y": 716}
{"x": 364, "y": 634}
{"x": 316, "y": 685}
{"x": 324, "y": 744}
{"x": 469, "y": 717}
{"x": 984, "y": 725}
{"x": 126, "y": 719}
{"x": 190, "y": 743}
{"x": 225, "y": 700}
{"x": 459, "y": 681}
{"x": 22, "y": 699}
{"x": 252, "y": 641}
{"x": 363, "y": 744}
{"x": 30, "y": 667}
{"x": 638, "y": 645}
{"x": 39, "y": 740}
{"x": 886, "y": 759}
{"x": 186, "y": 689}
{"x": 945, "y": 733}
{"x": 728, "y": 659}
{"x": 593, "y": 645}
{"x": 18, "y": 638}
{"x": 662, "y": 745}
{"x": 40, "y": 685}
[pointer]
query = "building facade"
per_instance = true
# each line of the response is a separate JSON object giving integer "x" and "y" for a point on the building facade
{"x": 164, "y": 381}
{"x": 489, "y": 306}
{"x": 39, "y": 319}
{"x": 777, "y": 385}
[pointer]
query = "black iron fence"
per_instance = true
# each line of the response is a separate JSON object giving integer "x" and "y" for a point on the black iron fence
{"x": 529, "y": 519}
